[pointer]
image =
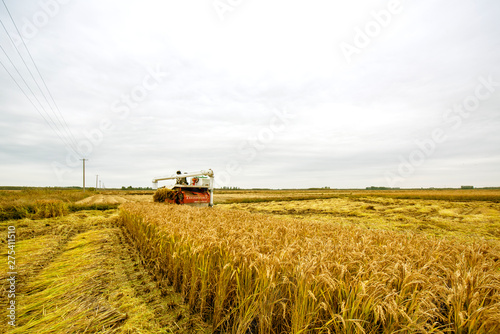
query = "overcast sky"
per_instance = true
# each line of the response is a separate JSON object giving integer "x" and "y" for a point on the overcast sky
{"x": 278, "y": 94}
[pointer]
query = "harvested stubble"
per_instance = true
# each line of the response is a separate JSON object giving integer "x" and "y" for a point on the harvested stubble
{"x": 247, "y": 273}
{"x": 69, "y": 295}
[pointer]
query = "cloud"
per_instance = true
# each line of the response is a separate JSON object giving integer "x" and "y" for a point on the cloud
{"x": 225, "y": 80}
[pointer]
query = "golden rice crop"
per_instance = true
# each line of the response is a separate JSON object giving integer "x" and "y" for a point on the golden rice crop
{"x": 250, "y": 273}
{"x": 49, "y": 208}
{"x": 466, "y": 220}
{"x": 252, "y": 196}
{"x": 162, "y": 194}
{"x": 37, "y": 203}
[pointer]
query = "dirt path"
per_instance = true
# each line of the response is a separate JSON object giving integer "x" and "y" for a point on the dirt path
{"x": 103, "y": 199}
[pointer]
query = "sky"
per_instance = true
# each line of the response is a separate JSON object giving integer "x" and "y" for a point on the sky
{"x": 274, "y": 94}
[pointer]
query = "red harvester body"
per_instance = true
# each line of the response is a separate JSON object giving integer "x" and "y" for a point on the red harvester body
{"x": 191, "y": 195}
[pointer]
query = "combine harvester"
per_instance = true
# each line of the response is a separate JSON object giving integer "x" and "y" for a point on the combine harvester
{"x": 199, "y": 191}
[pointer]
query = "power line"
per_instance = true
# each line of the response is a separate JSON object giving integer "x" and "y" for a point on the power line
{"x": 36, "y": 82}
{"x": 63, "y": 131}
{"x": 34, "y": 105}
{"x": 31, "y": 101}
{"x": 22, "y": 78}
{"x": 65, "y": 126}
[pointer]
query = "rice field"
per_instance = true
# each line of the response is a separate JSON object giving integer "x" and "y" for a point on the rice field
{"x": 260, "y": 261}
{"x": 460, "y": 219}
{"x": 452, "y": 195}
{"x": 45, "y": 203}
{"x": 79, "y": 273}
{"x": 253, "y": 273}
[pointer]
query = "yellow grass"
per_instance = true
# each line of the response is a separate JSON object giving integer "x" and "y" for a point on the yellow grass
{"x": 79, "y": 274}
{"x": 164, "y": 194}
{"x": 246, "y": 272}
{"x": 250, "y": 196}
{"x": 30, "y": 195}
{"x": 73, "y": 304}
{"x": 466, "y": 220}
{"x": 317, "y": 261}
{"x": 36, "y": 203}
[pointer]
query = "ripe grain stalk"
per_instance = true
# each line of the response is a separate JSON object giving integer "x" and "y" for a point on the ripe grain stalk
{"x": 249, "y": 272}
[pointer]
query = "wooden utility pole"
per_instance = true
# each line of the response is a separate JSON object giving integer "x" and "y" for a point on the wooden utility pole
{"x": 84, "y": 173}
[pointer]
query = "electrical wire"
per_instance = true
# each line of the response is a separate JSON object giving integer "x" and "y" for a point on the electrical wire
{"x": 65, "y": 125}
{"x": 35, "y": 97}
{"x": 44, "y": 96}
{"x": 34, "y": 105}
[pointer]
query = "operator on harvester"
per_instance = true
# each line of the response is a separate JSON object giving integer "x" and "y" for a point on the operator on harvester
{"x": 181, "y": 180}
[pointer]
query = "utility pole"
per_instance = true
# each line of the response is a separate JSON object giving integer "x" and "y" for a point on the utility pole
{"x": 84, "y": 173}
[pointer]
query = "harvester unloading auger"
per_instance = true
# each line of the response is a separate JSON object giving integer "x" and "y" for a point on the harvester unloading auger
{"x": 199, "y": 191}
